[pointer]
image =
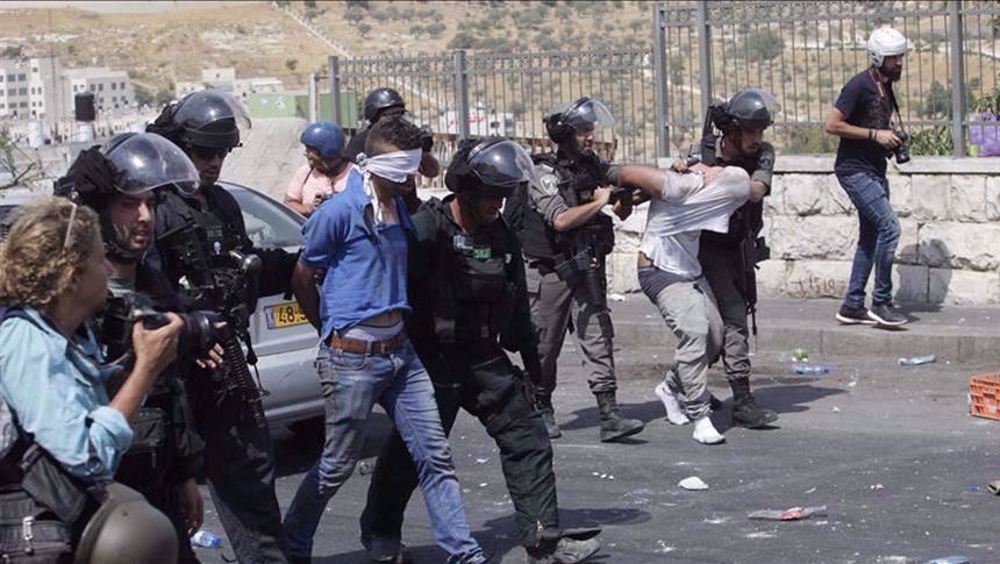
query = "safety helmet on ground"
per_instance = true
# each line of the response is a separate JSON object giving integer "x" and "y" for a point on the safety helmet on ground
{"x": 583, "y": 114}
{"x": 324, "y": 136}
{"x": 885, "y": 42}
{"x": 207, "y": 118}
{"x": 126, "y": 529}
{"x": 750, "y": 108}
{"x": 380, "y": 101}
{"x": 494, "y": 167}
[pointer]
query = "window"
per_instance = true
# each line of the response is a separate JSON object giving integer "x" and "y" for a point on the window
{"x": 22, "y": 91}
{"x": 122, "y": 85}
{"x": 11, "y": 91}
{"x": 23, "y": 104}
{"x": 93, "y": 88}
{"x": 100, "y": 87}
{"x": 114, "y": 86}
{"x": 22, "y": 77}
{"x": 114, "y": 98}
{"x": 34, "y": 70}
{"x": 10, "y": 78}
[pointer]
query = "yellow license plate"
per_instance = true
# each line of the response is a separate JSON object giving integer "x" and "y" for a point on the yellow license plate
{"x": 284, "y": 315}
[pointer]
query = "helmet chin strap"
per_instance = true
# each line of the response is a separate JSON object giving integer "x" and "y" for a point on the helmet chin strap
{"x": 113, "y": 245}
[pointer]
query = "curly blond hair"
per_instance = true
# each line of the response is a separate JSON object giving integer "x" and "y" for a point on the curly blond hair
{"x": 37, "y": 268}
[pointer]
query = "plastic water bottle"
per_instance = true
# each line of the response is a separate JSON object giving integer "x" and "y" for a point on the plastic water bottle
{"x": 811, "y": 369}
{"x": 206, "y": 539}
{"x": 917, "y": 360}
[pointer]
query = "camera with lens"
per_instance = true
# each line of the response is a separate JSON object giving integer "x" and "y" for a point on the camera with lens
{"x": 902, "y": 151}
{"x": 200, "y": 333}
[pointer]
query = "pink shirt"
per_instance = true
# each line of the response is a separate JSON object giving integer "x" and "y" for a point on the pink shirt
{"x": 307, "y": 183}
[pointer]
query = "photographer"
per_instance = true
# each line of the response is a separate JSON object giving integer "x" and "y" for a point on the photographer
{"x": 385, "y": 102}
{"x": 862, "y": 118}
{"x": 201, "y": 238}
{"x": 52, "y": 378}
{"x": 729, "y": 259}
{"x": 566, "y": 239}
{"x": 325, "y": 172}
{"x": 120, "y": 183}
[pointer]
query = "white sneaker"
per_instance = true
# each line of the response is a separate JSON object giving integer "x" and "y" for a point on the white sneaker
{"x": 705, "y": 433}
{"x": 675, "y": 413}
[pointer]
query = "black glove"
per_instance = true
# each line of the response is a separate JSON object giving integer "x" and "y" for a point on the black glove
{"x": 89, "y": 175}
{"x": 426, "y": 139}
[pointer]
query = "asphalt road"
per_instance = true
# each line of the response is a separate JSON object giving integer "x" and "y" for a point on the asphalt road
{"x": 891, "y": 451}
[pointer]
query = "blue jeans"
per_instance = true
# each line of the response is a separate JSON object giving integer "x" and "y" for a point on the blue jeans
{"x": 879, "y": 236}
{"x": 352, "y": 383}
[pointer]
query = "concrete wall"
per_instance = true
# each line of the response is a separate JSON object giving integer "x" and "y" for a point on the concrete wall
{"x": 949, "y": 249}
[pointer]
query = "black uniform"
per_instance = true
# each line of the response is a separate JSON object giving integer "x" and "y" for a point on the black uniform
{"x": 469, "y": 304}
{"x": 239, "y": 459}
{"x": 724, "y": 265}
{"x": 165, "y": 451}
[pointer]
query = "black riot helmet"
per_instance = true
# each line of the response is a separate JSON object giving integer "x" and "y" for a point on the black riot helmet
{"x": 207, "y": 118}
{"x": 750, "y": 108}
{"x": 382, "y": 101}
{"x": 130, "y": 164}
{"x": 583, "y": 114}
{"x": 492, "y": 167}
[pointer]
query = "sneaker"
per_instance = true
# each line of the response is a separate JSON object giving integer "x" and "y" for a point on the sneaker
{"x": 883, "y": 315}
{"x": 854, "y": 315}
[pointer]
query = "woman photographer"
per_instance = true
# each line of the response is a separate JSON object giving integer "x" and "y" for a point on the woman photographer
{"x": 54, "y": 278}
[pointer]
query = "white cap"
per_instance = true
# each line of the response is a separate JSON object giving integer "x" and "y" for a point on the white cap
{"x": 885, "y": 42}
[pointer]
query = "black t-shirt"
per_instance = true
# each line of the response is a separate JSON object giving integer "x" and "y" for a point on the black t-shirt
{"x": 864, "y": 106}
{"x": 356, "y": 145}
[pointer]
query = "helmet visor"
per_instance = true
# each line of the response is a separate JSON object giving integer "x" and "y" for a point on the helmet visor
{"x": 146, "y": 161}
{"x": 589, "y": 115}
{"x": 504, "y": 164}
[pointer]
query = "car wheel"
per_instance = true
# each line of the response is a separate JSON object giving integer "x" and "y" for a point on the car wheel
{"x": 309, "y": 430}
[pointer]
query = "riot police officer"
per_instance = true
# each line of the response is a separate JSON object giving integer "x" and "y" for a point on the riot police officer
{"x": 728, "y": 259}
{"x": 566, "y": 240}
{"x": 120, "y": 182}
{"x": 467, "y": 289}
{"x": 206, "y": 228}
{"x": 383, "y": 102}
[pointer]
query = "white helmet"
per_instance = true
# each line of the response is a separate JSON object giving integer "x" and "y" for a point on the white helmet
{"x": 885, "y": 42}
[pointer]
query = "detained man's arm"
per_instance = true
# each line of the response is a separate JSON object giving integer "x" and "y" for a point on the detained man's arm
{"x": 579, "y": 215}
{"x": 304, "y": 288}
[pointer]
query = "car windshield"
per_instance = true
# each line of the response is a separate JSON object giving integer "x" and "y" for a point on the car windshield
{"x": 268, "y": 224}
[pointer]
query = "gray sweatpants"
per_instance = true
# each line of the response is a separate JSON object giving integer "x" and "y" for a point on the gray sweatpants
{"x": 692, "y": 316}
{"x": 552, "y": 302}
{"x": 721, "y": 269}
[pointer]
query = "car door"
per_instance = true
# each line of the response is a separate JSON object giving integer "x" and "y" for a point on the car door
{"x": 284, "y": 341}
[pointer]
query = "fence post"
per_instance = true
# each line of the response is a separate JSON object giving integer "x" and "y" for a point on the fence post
{"x": 704, "y": 55}
{"x": 957, "y": 77}
{"x": 660, "y": 77}
{"x": 313, "y": 98}
{"x": 334, "y": 64}
{"x": 461, "y": 94}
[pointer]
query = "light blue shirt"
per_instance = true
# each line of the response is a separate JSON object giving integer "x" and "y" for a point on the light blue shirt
{"x": 58, "y": 396}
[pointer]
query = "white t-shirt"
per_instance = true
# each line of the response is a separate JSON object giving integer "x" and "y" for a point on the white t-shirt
{"x": 675, "y": 222}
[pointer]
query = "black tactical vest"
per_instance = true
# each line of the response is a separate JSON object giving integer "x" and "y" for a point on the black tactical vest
{"x": 577, "y": 182}
{"x": 474, "y": 289}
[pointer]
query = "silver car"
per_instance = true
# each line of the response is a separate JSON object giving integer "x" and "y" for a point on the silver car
{"x": 284, "y": 341}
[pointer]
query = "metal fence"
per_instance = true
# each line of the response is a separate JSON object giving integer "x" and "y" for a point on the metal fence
{"x": 458, "y": 95}
{"x": 704, "y": 51}
{"x": 804, "y": 52}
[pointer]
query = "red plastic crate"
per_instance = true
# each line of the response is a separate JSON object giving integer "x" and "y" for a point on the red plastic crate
{"x": 984, "y": 392}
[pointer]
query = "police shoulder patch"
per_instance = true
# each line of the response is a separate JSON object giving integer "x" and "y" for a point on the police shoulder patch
{"x": 549, "y": 182}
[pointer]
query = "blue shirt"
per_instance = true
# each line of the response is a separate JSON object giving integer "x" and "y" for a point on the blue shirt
{"x": 58, "y": 396}
{"x": 365, "y": 259}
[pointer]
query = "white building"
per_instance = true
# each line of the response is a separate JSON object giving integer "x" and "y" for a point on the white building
{"x": 30, "y": 88}
{"x": 243, "y": 87}
{"x": 225, "y": 79}
{"x": 112, "y": 89}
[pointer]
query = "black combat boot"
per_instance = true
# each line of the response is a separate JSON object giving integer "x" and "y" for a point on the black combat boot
{"x": 543, "y": 405}
{"x": 613, "y": 425}
{"x": 746, "y": 413}
{"x": 562, "y": 551}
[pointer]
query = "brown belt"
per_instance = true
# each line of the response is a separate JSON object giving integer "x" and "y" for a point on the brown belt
{"x": 367, "y": 347}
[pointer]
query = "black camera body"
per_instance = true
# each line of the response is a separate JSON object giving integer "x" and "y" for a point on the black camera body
{"x": 198, "y": 336}
{"x": 902, "y": 151}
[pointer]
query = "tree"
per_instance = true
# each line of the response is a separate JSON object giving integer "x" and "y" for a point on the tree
{"x": 363, "y": 29}
{"x": 435, "y": 29}
{"x": 290, "y": 64}
{"x": 143, "y": 96}
{"x": 937, "y": 102}
{"x": 763, "y": 45}
{"x": 462, "y": 40}
{"x": 13, "y": 51}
